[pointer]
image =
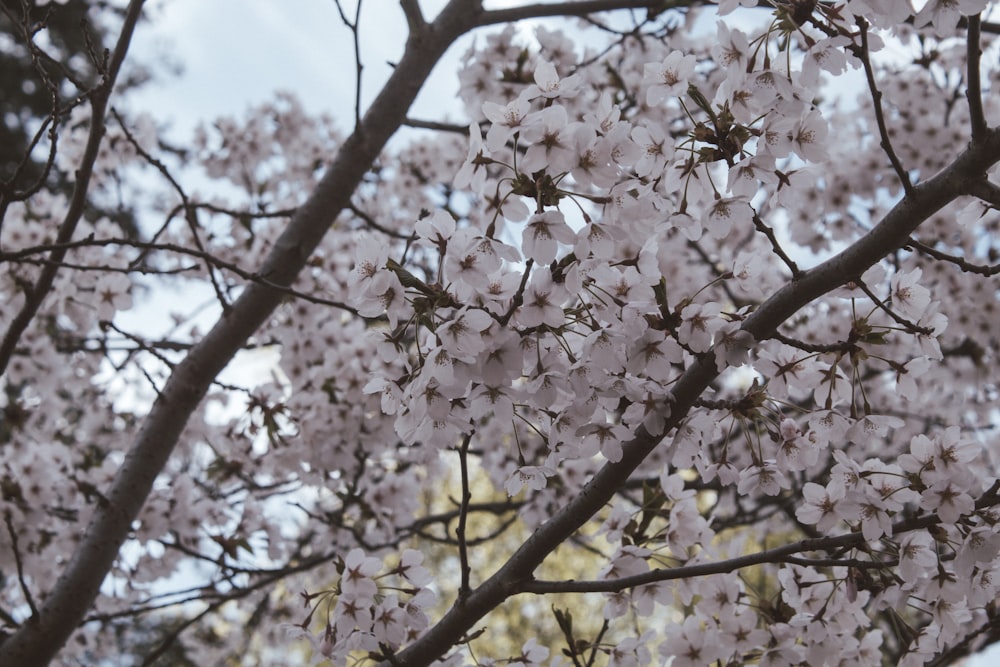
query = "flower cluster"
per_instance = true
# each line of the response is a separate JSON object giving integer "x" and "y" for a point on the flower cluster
{"x": 563, "y": 311}
{"x": 369, "y": 610}
{"x": 610, "y": 287}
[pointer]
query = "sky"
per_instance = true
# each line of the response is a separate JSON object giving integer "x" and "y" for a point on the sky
{"x": 236, "y": 53}
{"x": 233, "y": 54}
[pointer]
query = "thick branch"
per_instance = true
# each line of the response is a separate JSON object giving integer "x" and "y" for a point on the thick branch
{"x": 37, "y": 642}
{"x": 571, "y": 8}
{"x": 986, "y": 190}
{"x": 891, "y": 233}
{"x": 973, "y": 87}
{"x": 414, "y": 17}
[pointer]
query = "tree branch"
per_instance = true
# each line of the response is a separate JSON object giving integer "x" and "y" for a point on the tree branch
{"x": 865, "y": 55}
{"x": 98, "y": 104}
{"x": 973, "y": 87}
{"x": 414, "y": 16}
{"x": 960, "y": 262}
{"x": 780, "y": 554}
{"x": 898, "y": 319}
{"x": 571, "y": 8}
{"x": 26, "y": 255}
{"x": 436, "y": 125}
{"x": 190, "y": 213}
{"x": 19, "y": 565}
{"x": 460, "y": 529}
{"x": 767, "y": 231}
{"x": 36, "y": 643}
{"x": 986, "y": 190}
{"x": 891, "y": 233}
{"x": 355, "y": 28}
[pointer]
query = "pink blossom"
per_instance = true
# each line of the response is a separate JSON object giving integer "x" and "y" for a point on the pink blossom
{"x": 472, "y": 175}
{"x": 668, "y": 78}
{"x": 542, "y": 301}
{"x": 533, "y": 477}
{"x": 944, "y": 14}
{"x": 506, "y": 121}
{"x": 543, "y": 234}
{"x": 357, "y": 580}
{"x": 551, "y": 140}
{"x": 692, "y": 643}
{"x": 763, "y": 478}
{"x": 389, "y": 626}
{"x": 726, "y": 215}
{"x": 824, "y": 507}
{"x": 549, "y": 85}
{"x": 909, "y": 298}
{"x": 700, "y": 322}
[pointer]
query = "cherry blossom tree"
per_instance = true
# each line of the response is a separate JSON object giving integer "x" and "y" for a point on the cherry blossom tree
{"x": 702, "y": 296}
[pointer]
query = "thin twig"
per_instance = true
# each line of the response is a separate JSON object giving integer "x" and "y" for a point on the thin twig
{"x": 107, "y": 268}
{"x": 19, "y": 565}
{"x": 99, "y": 104}
{"x": 190, "y": 214}
{"x": 463, "y": 550}
{"x": 776, "y": 555}
{"x": 960, "y": 262}
{"x": 436, "y": 125}
{"x": 767, "y": 231}
{"x": 886, "y": 144}
{"x": 820, "y": 348}
{"x": 169, "y": 639}
{"x": 25, "y": 255}
{"x": 899, "y": 319}
{"x": 495, "y": 508}
{"x": 370, "y": 221}
{"x": 51, "y": 127}
{"x": 473, "y": 542}
{"x": 355, "y": 29}
{"x": 841, "y": 562}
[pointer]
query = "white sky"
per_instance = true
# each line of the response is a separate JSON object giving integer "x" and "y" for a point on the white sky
{"x": 237, "y": 53}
